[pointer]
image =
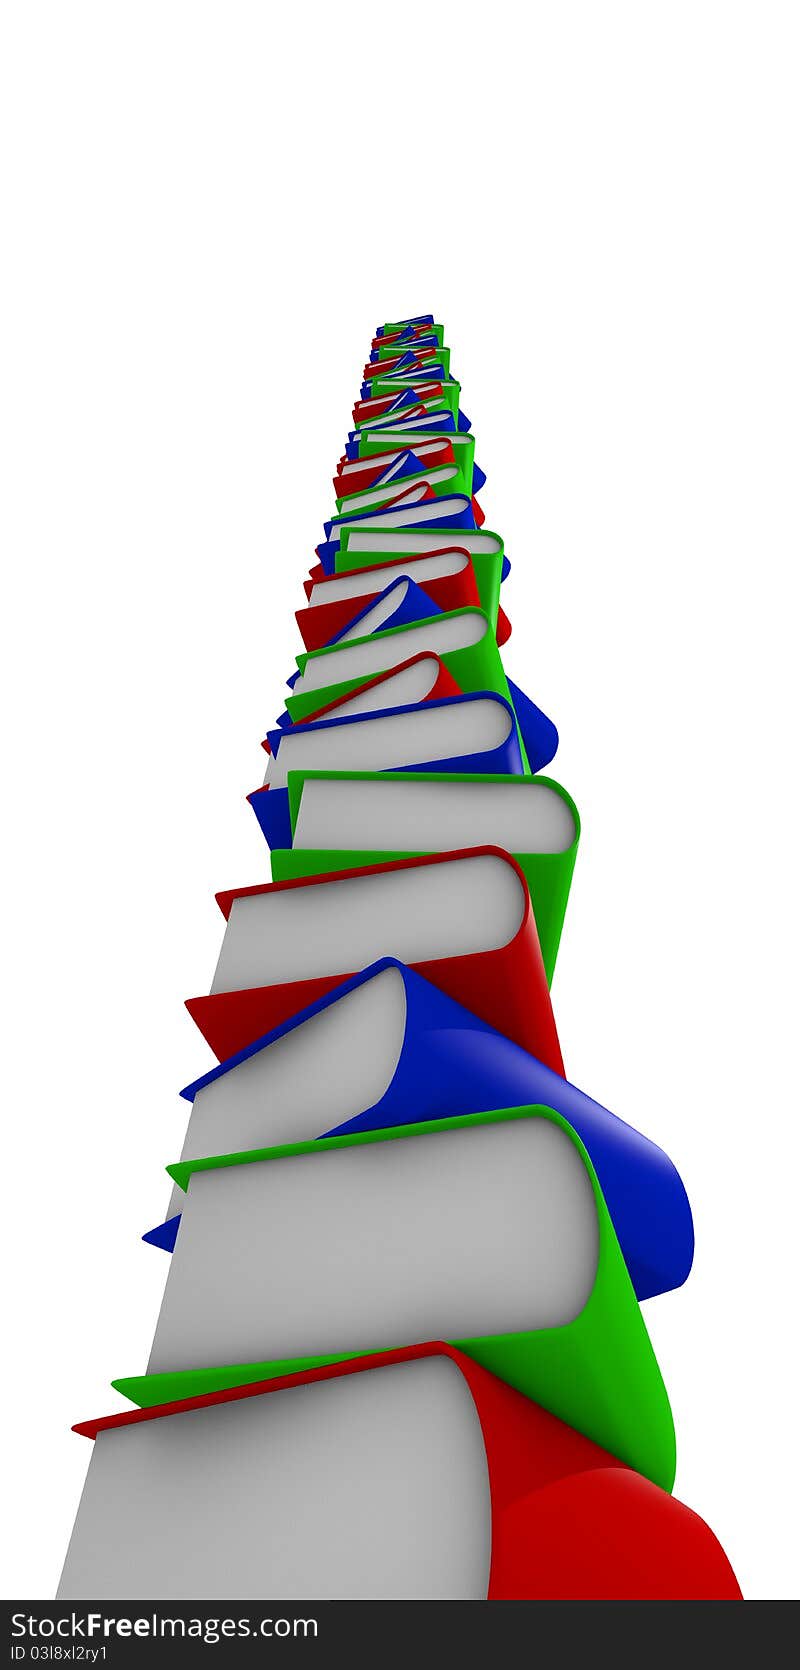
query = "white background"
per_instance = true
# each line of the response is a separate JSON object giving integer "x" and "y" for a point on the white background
{"x": 206, "y": 209}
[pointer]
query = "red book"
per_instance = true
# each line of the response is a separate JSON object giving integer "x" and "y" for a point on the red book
{"x": 462, "y": 919}
{"x": 356, "y": 475}
{"x": 455, "y": 590}
{"x": 503, "y": 626}
{"x": 524, "y": 1507}
{"x": 422, "y": 678}
{"x": 363, "y": 410}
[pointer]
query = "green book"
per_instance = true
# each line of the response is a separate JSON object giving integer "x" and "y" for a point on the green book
{"x": 493, "y": 1219}
{"x": 406, "y": 814}
{"x": 364, "y": 548}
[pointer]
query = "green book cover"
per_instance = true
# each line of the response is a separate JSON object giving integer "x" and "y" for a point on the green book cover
{"x": 548, "y": 874}
{"x": 485, "y": 548}
{"x": 598, "y": 1372}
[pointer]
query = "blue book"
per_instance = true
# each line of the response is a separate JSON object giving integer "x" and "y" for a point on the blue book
{"x": 389, "y": 1030}
{"x": 539, "y": 733}
{"x": 444, "y": 731}
{"x": 398, "y": 604}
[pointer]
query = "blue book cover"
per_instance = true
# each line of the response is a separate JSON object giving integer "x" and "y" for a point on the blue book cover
{"x": 539, "y": 734}
{"x": 451, "y": 1062}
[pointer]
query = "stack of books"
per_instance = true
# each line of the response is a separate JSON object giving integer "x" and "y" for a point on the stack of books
{"x": 401, "y": 1351}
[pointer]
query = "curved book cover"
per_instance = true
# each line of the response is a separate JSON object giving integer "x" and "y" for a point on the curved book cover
{"x": 462, "y": 1489}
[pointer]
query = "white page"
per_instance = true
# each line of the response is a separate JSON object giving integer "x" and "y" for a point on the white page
{"x": 404, "y": 815}
{"x": 372, "y": 1486}
{"x": 388, "y": 540}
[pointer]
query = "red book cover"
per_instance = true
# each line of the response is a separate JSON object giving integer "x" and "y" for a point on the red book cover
{"x": 506, "y": 986}
{"x": 503, "y": 627}
{"x": 568, "y": 1520}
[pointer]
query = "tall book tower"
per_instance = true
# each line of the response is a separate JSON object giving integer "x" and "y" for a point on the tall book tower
{"x": 401, "y": 1351}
